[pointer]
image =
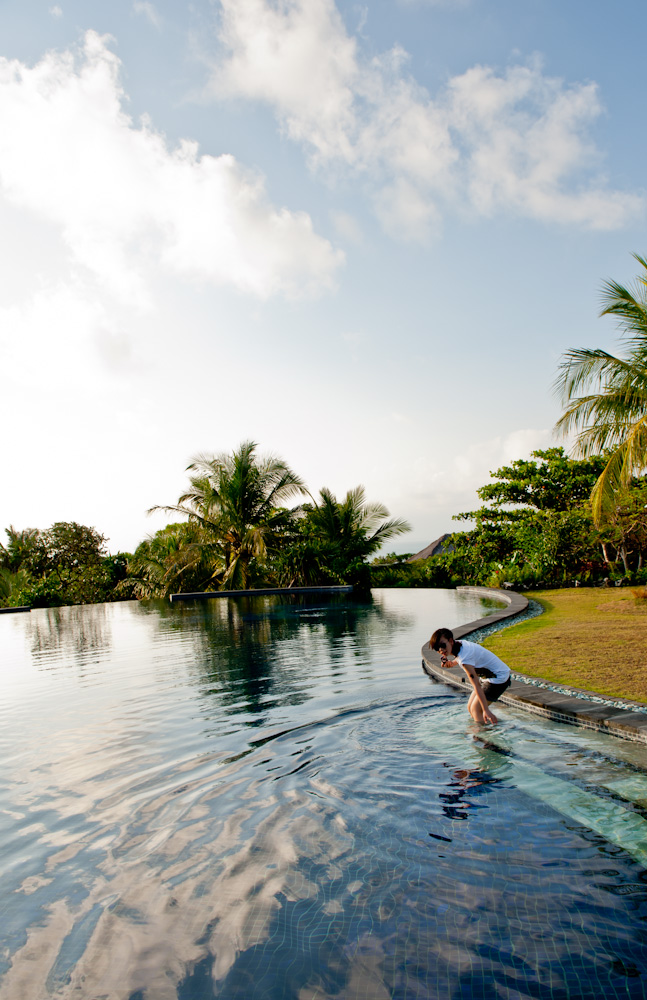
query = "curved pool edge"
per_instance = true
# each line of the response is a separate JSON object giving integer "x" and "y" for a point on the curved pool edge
{"x": 617, "y": 720}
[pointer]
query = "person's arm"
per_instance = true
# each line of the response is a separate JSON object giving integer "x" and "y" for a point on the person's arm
{"x": 480, "y": 693}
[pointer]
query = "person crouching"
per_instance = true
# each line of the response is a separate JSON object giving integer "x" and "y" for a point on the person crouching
{"x": 477, "y": 662}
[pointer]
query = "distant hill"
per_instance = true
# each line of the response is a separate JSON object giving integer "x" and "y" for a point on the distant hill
{"x": 435, "y": 548}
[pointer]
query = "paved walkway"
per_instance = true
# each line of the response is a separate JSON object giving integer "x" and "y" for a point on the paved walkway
{"x": 620, "y": 720}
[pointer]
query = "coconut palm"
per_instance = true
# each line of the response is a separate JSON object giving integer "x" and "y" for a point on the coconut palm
{"x": 239, "y": 500}
{"x": 612, "y": 416}
{"x": 360, "y": 528}
{"x": 349, "y": 531}
{"x": 12, "y": 585}
{"x": 24, "y": 550}
{"x": 178, "y": 557}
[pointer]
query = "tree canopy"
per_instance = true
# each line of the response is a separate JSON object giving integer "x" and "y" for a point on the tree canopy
{"x": 238, "y": 502}
{"x": 244, "y": 534}
{"x": 64, "y": 564}
{"x": 552, "y": 481}
{"x": 336, "y": 537}
{"x": 535, "y": 529}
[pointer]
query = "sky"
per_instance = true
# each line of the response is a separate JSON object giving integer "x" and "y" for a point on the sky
{"x": 361, "y": 235}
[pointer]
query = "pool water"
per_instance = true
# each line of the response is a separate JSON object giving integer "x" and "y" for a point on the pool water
{"x": 269, "y": 799}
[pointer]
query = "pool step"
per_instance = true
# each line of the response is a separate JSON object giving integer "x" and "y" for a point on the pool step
{"x": 500, "y": 750}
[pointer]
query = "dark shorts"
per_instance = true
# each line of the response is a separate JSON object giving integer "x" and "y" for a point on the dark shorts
{"x": 494, "y": 691}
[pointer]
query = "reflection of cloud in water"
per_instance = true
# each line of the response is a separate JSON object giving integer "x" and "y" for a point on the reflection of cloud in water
{"x": 207, "y": 867}
{"x": 166, "y": 884}
{"x": 153, "y": 850}
{"x": 149, "y": 858}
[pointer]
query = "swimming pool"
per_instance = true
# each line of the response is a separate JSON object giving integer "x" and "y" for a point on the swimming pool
{"x": 269, "y": 799}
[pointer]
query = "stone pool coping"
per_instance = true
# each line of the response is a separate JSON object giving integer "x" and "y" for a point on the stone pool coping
{"x": 208, "y": 595}
{"x": 619, "y": 720}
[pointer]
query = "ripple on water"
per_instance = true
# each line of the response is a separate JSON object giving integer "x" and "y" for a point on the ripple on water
{"x": 195, "y": 819}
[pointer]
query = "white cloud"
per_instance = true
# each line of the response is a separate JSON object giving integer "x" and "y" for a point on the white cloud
{"x": 405, "y": 212}
{"x": 56, "y": 11}
{"x": 476, "y": 463}
{"x": 299, "y": 59}
{"x": 522, "y": 136}
{"x": 453, "y": 486}
{"x": 126, "y": 204}
{"x": 347, "y": 227}
{"x": 514, "y": 141}
{"x": 149, "y": 11}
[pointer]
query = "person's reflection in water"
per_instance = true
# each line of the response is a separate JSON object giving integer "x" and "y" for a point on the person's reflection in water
{"x": 473, "y": 782}
{"x": 464, "y": 782}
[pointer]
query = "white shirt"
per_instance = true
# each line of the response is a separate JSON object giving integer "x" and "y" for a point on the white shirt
{"x": 484, "y": 662}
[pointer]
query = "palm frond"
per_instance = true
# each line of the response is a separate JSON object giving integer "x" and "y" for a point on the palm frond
{"x": 628, "y": 460}
{"x": 612, "y": 416}
{"x": 396, "y": 526}
{"x": 583, "y": 367}
{"x": 617, "y": 410}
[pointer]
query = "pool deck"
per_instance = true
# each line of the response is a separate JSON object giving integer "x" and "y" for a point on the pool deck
{"x": 619, "y": 719}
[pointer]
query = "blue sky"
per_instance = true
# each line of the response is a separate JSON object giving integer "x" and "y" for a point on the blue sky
{"x": 360, "y": 234}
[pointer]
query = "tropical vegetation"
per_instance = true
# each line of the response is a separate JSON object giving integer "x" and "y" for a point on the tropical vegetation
{"x": 248, "y": 521}
{"x": 333, "y": 540}
{"x": 66, "y": 564}
{"x": 611, "y": 417}
{"x": 240, "y": 533}
{"x": 237, "y": 503}
{"x": 245, "y": 524}
{"x": 536, "y": 529}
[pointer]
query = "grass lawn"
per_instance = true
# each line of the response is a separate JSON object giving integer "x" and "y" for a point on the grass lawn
{"x": 589, "y": 638}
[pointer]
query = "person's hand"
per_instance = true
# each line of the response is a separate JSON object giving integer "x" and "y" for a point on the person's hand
{"x": 489, "y": 716}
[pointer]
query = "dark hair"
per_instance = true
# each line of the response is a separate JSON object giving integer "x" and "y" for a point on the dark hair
{"x": 439, "y": 635}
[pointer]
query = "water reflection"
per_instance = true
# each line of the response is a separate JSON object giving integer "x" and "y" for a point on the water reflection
{"x": 153, "y": 848}
{"x": 467, "y": 785}
{"x": 252, "y": 654}
{"x": 131, "y": 900}
{"x": 77, "y": 633}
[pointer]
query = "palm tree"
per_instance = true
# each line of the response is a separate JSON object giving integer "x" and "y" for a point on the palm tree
{"x": 178, "y": 557}
{"x": 239, "y": 500}
{"x": 612, "y": 417}
{"x": 350, "y": 531}
{"x": 11, "y": 586}
{"x": 24, "y": 550}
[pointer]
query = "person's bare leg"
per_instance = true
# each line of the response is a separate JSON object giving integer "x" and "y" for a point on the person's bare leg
{"x": 474, "y": 708}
